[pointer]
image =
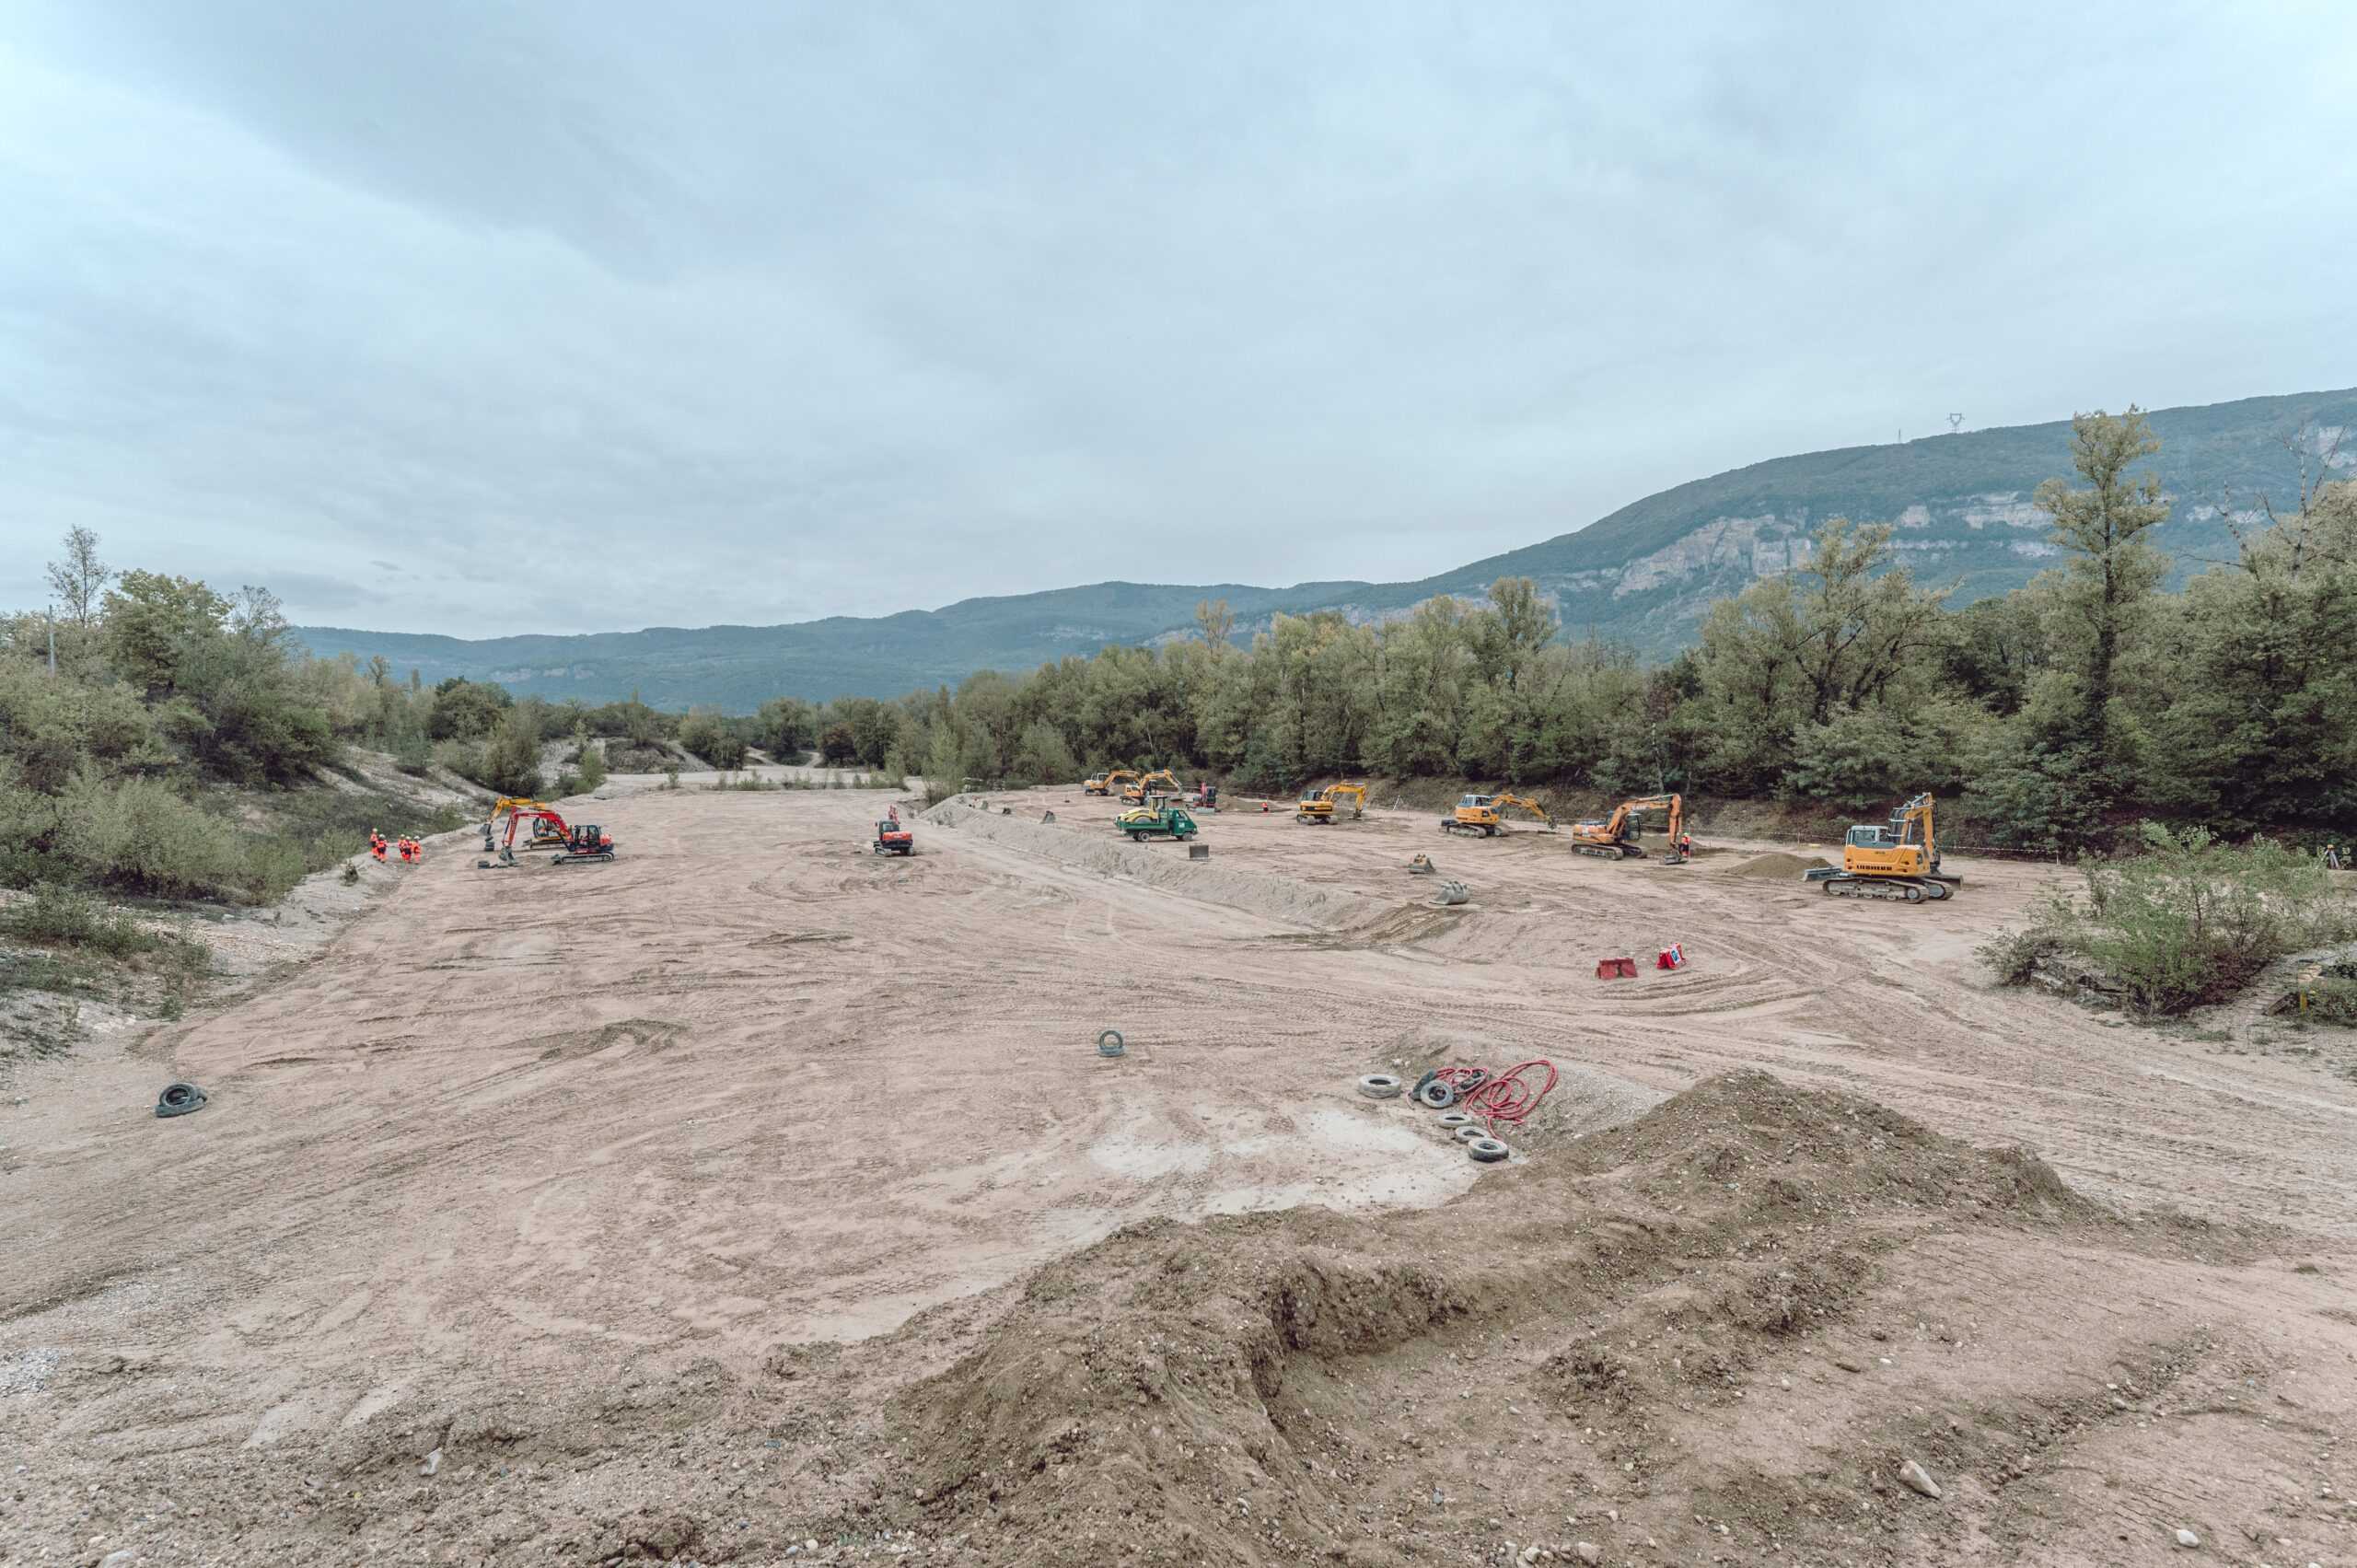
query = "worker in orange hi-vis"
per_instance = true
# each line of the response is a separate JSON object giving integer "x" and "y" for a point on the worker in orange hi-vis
{"x": 377, "y": 845}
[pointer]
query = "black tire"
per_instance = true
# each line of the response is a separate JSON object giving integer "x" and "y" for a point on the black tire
{"x": 1435, "y": 1094}
{"x": 1453, "y": 1120}
{"x": 1489, "y": 1151}
{"x": 1468, "y": 1135}
{"x": 180, "y": 1099}
{"x": 1380, "y": 1085}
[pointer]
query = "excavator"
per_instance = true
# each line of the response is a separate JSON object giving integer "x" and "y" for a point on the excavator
{"x": 1615, "y": 837}
{"x": 1319, "y": 804}
{"x": 573, "y": 841}
{"x": 1898, "y": 859}
{"x": 1136, "y": 790}
{"x": 505, "y": 806}
{"x": 1105, "y": 783}
{"x": 1483, "y": 815}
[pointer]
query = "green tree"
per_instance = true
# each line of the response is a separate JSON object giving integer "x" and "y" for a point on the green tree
{"x": 2113, "y": 568}
{"x": 156, "y": 624}
{"x": 465, "y": 710}
{"x": 79, "y": 579}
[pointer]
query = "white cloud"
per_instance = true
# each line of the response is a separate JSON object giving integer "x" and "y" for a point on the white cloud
{"x": 807, "y": 310}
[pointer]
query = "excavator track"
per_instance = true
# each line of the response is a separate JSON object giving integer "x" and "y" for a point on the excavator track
{"x": 1911, "y": 889}
{"x": 1614, "y": 852}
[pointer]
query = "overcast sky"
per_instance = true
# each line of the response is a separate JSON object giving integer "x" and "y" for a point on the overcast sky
{"x": 487, "y": 318}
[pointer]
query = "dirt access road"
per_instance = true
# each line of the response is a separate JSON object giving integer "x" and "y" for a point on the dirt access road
{"x": 620, "y": 1127}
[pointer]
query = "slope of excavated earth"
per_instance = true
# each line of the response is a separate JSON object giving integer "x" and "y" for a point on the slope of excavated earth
{"x": 755, "y": 1199}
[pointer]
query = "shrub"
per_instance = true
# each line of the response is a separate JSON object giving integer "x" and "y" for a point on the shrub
{"x": 139, "y": 836}
{"x": 65, "y": 917}
{"x": 2333, "y": 1001}
{"x": 414, "y": 754}
{"x": 706, "y": 735}
{"x": 592, "y": 765}
{"x": 2188, "y": 921}
{"x": 512, "y": 762}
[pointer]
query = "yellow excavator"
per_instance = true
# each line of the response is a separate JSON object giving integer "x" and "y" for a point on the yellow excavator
{"x": 1319, "y": 804}
{"x": 1137, "y": 789}
{"x": 1898, "y": 859}
{"x": 1483, "y": 815}
{"x": 1105, "y": 783}
{"x": 1615, "y": 837}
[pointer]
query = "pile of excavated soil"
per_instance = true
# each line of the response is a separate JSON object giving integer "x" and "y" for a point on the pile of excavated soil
{"x": 1569, "y": 1341}
{"x": 1777, "y": 865}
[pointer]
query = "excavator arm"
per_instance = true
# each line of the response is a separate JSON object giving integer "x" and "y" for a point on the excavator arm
{"x": 1547, "y": 822}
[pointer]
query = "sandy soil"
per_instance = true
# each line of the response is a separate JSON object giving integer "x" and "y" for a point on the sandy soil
{"x": 576, "y": 1176}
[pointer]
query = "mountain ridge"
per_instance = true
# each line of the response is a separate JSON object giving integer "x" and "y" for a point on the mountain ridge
{"x": 1643, "y": 574}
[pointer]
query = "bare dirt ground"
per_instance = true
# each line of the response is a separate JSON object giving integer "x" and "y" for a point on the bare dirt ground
{"x": 755, "y": 1197}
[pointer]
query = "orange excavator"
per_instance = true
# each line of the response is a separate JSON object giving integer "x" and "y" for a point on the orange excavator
{"x": 1615, "y": 837}
{"x": 574, "y": 842}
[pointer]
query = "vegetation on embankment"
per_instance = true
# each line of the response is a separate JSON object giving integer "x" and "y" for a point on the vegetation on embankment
{"x": 2186, "y": 922}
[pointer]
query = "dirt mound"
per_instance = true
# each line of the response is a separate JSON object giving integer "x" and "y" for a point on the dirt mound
{"x": 1778, "y": 865}
{"x": 1261, "y": 1389}
{"x": 1752, "y": 1134}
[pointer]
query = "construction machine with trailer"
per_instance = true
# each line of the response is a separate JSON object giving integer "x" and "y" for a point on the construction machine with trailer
{"x": 1898, "y": 859}
{"x": 1161, "y": 819}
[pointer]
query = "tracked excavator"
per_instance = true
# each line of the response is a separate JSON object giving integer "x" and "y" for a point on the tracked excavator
{"x": 542, "y": 836}
{"x": 1615, "y": 837}
{"x": 1898, "y": 859}
{"x": 573, "y": 841}
{"x": 1137, "y": 789}
{"x": 1321, "y": 805}
{"x": 1483, "y": 815}
{"x": 1106, "y": 781}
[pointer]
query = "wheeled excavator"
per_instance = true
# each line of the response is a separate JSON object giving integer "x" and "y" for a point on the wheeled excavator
{"x": 1137, "y": 789}
{"x": 1898, "y": 859}
{"x": 1615, "y": 837}
{"x": 1321, "y": 805}
{"x": 1483, "y": 815}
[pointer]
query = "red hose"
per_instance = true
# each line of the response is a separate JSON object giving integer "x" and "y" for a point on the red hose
{"x": 1504, "y": 1099}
